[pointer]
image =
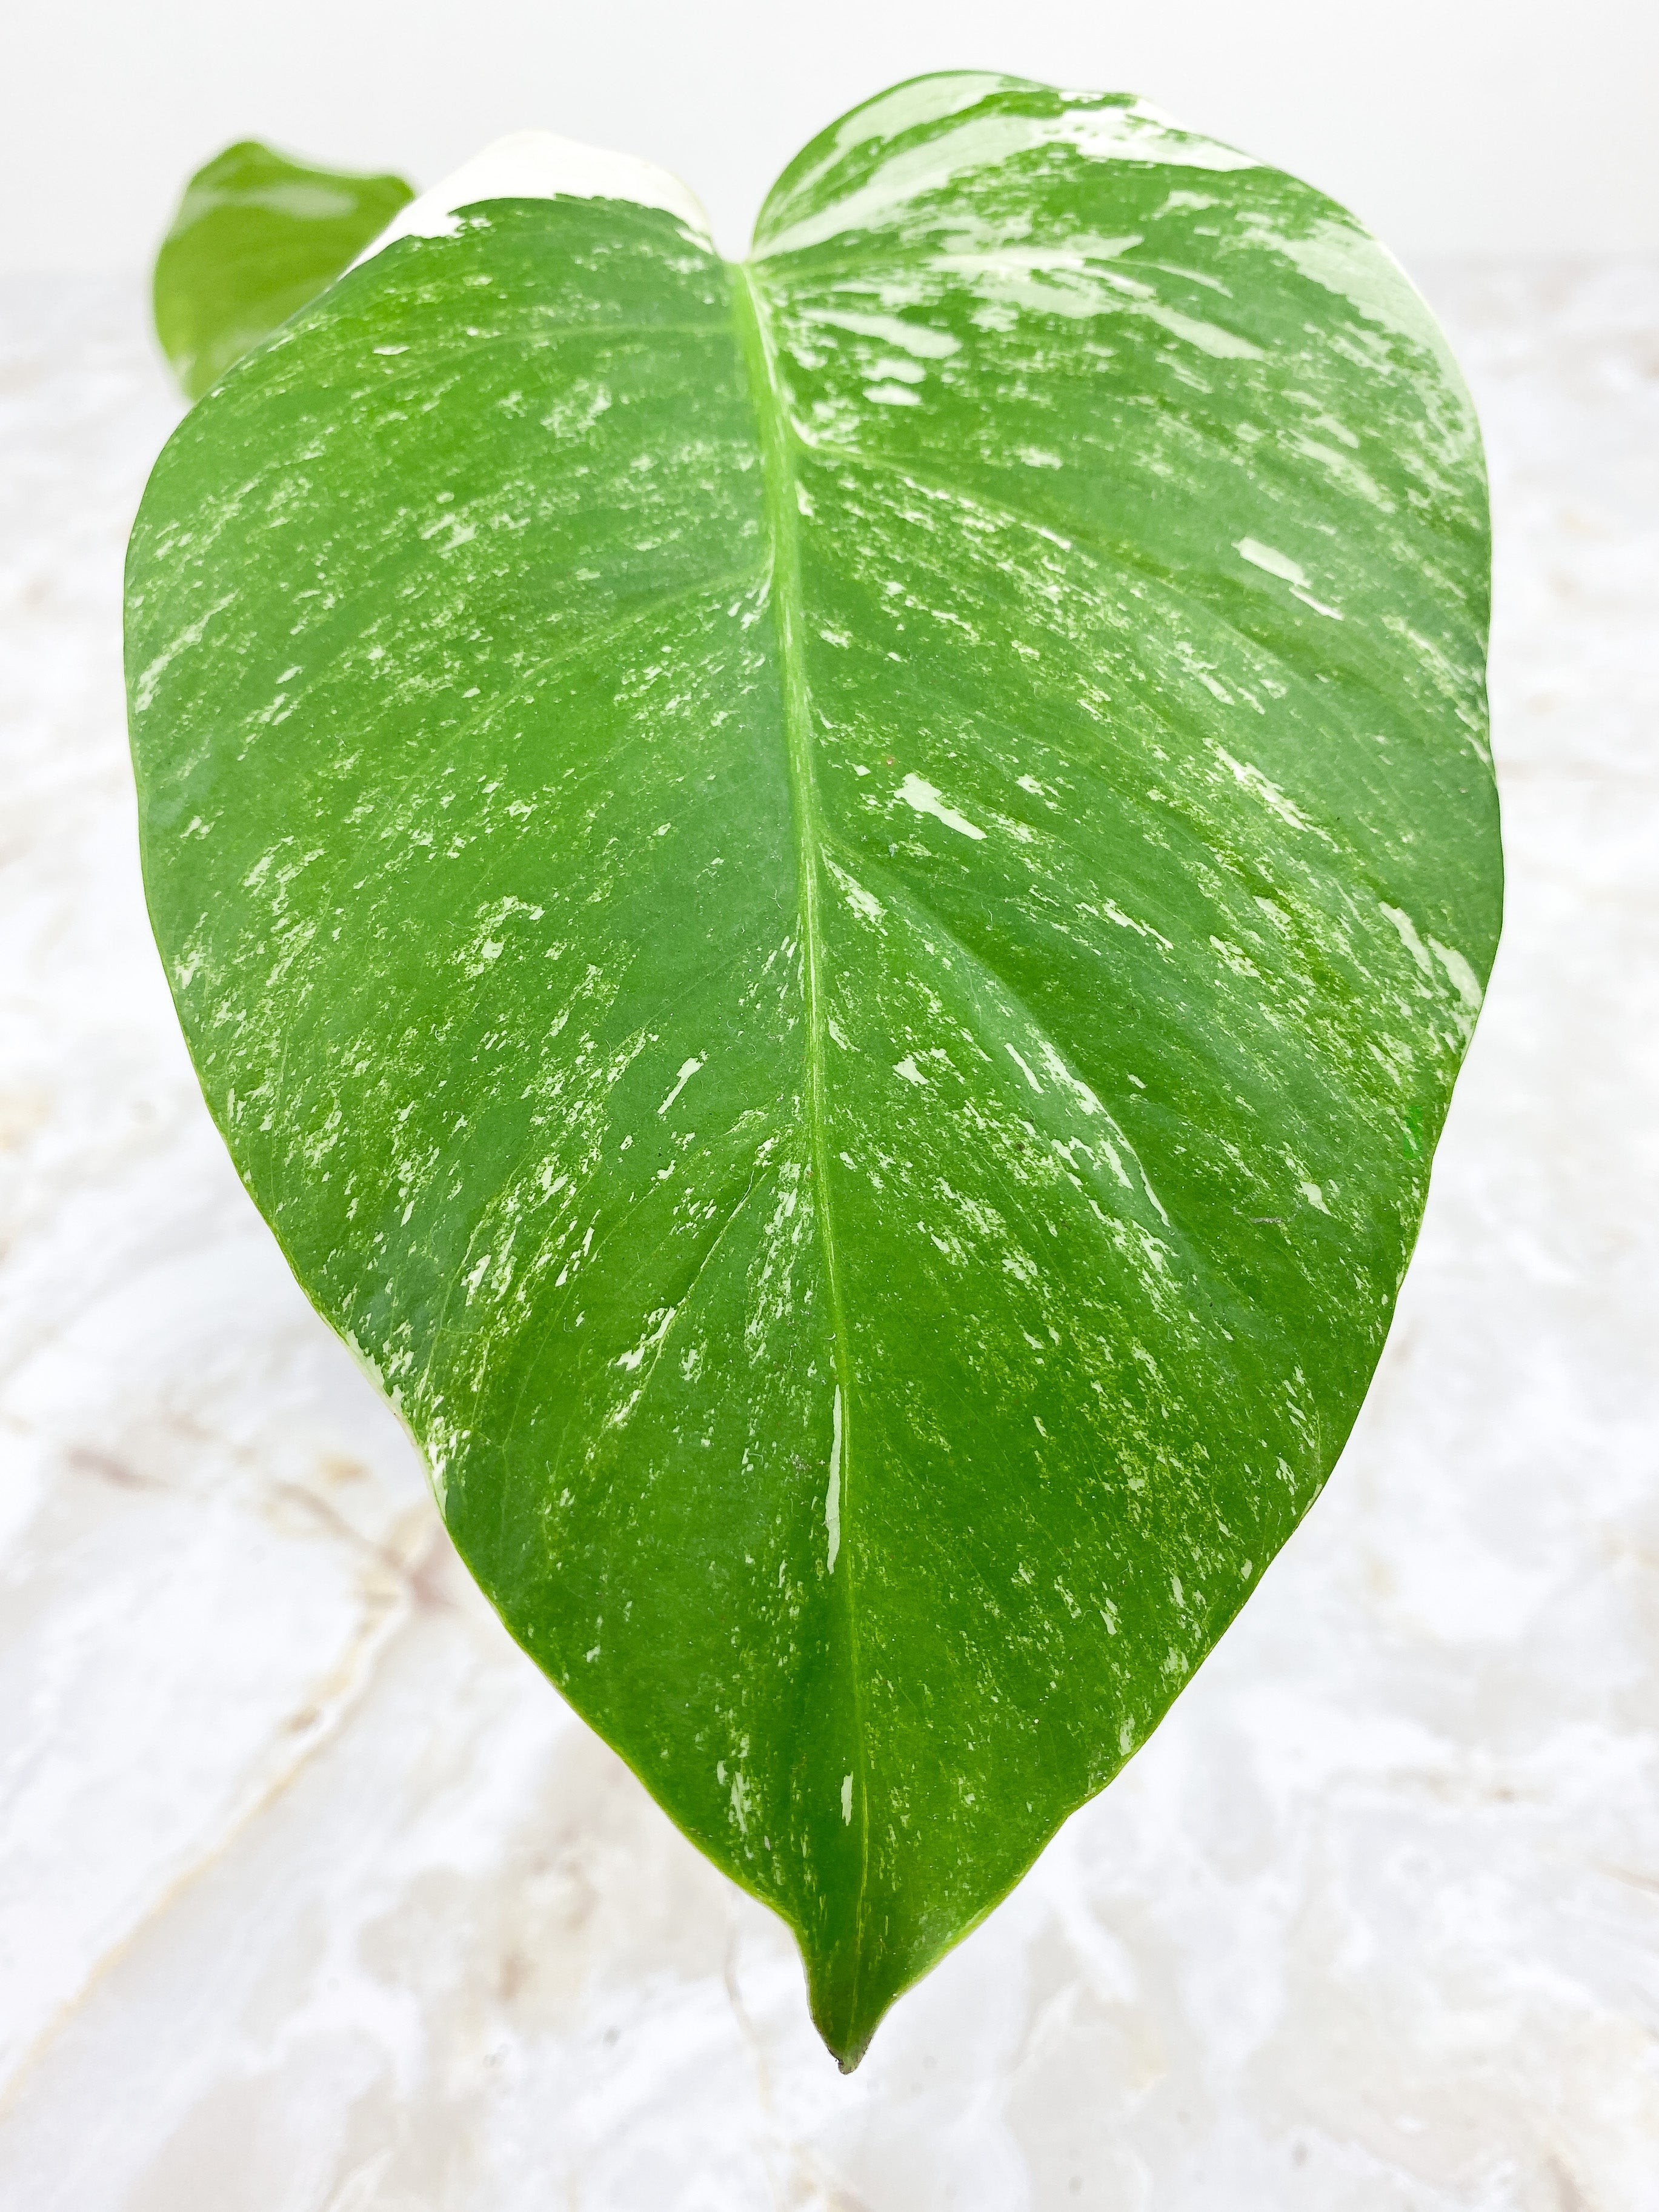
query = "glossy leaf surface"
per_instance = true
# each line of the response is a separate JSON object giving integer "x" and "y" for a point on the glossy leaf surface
{"x": 832, "y": 905}
{"x": 256, "y": 237}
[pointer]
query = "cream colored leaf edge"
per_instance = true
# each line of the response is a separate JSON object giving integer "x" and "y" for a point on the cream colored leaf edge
{"x": 536, "y": 164}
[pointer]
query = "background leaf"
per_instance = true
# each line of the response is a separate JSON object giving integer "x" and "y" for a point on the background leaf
{"x": 832, "y": 906}
{"x": 255, "y": 238}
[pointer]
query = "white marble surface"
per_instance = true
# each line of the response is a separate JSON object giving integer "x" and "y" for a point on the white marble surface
{"x": 314, "y": 1899}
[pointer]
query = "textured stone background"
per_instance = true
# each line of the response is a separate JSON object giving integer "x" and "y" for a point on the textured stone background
{"x": 314, "y": 1899}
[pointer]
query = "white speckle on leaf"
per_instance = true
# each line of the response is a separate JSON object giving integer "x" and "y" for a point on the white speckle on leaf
{"x": 653, "y": 1336}
{"x": 832, "y": 1495}
{"x": 688, "y": 1069}
{"x": 1275, "y": 563}
{"x": 1247, "y": 774}
{"x": 1462, "y": 977}
{"x": 1078, "y": 1089}
{"x": 1024, "y": 1068}
{"x": 863, "y": 902}
{"x": 1288, "y": 571}
{"x": 912, "y": 337}
{"x": 917, "y": 793}
{"x": 1409, "y": 938}
{"x": 143, "y": 691}
{"x": 741, "y": 1798}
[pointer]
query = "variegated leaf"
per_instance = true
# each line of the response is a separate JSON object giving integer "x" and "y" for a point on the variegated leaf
{"x": 832, "y": 904}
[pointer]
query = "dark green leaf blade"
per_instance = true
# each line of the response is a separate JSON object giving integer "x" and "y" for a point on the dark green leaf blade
{"x": 832, "y": 907}
{"x": 256, "y": 237}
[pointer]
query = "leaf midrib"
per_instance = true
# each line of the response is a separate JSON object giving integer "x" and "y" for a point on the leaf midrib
{"x": 783, "y": 529}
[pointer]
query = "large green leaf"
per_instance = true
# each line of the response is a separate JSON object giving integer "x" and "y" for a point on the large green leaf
{"x": 255, "y": 238}
{"x": 832, "y": 904}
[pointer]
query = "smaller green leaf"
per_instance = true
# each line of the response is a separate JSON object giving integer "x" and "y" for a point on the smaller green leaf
{"x": 255, "y": 238}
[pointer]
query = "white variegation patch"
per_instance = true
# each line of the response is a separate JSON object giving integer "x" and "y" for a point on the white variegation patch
{"x": 536, "y": 165}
